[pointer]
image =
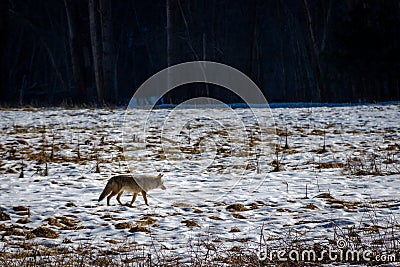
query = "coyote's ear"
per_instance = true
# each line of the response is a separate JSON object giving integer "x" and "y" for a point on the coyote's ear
{"x": 160, "y": 175}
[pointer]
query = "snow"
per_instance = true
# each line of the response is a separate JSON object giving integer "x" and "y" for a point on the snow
{"x": 200, "y": 185}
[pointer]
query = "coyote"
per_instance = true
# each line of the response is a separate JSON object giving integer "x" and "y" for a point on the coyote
{"x": 131, "y": 183}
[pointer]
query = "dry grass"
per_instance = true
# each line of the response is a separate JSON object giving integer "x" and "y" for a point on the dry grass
{"x": 380, "y": 162}
{"x": 379, "y": 237}
{"x": 19, "y": 249}
{"x": 236, "y": 207}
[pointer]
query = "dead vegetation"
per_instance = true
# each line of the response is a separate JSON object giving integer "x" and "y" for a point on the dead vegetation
{"x": 35, "y": 148}
{"x": 36, "y": 158}
{"x": 338, "y": 203}
{"x": 236, "y": 207}
{"x": 138, "y": 228}
{"x": 378, "y": 237}
{"x": 45, "y": 232}
{"x": 4, "y": 216}
{"x": 190, "y": 223}
{"x": 379, "y": 162}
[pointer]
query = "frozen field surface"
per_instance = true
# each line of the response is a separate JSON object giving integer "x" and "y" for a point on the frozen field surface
{"x": 228, "y": 179}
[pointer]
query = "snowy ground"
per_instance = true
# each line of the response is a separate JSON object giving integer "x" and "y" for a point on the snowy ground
{"x": 211, "y": 159}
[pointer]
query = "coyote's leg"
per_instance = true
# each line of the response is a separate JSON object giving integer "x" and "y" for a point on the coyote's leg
{"x": 133, "y": 198}
{"x": 144, "y": 197}
{"x": 119, "y": 197}
{"x": 110, "y": 196}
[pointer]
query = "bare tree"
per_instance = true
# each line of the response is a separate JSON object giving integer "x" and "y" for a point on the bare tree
{"x": 255, "y": 69}
{"x": 108, "y": 46}
{"x": 322, "y": 92}
{"x": 3, "y": 48}
{"x": 75, "y": 45}
{"x": 169, "y": 40}
{"x": 96, "y": 49}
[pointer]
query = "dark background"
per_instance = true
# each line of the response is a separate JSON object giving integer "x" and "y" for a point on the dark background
{"x": 101, "y": 51}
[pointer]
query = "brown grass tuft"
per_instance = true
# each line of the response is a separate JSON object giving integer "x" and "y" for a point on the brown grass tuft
{"x": 45, "y": 232}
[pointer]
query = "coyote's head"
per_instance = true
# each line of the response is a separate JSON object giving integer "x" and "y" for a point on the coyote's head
{"x": 160, "y": 182}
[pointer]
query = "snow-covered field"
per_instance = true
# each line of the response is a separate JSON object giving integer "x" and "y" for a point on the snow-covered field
{"x": 341, "y": 170}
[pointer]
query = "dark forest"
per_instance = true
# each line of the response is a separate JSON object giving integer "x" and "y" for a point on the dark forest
{"x": 100, "y": 51}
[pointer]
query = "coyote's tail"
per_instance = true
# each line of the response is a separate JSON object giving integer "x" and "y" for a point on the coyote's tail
{"x": 107, "y": 190}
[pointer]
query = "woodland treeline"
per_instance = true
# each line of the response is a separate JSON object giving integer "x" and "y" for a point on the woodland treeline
{"x": 101, "y": 51}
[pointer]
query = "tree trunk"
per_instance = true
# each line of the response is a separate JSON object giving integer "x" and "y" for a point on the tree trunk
{"x": 111, "y": 92}
{"x": 96, "y": 50}
{"x": 322, "y": 94}
{"x": 168, "y": 15}
{"x": 3, "y": 49}
{"x": 169, "y": 46}
{"x": 204, "y": 59}
{"x": 75, "y": 45}
{"x": 254, "y": 53}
